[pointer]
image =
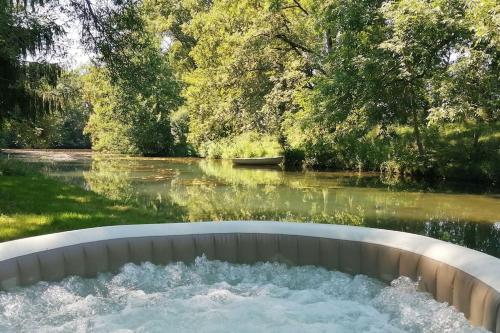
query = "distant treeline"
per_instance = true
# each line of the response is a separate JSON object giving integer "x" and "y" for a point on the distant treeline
{"x": 406, "y": 87}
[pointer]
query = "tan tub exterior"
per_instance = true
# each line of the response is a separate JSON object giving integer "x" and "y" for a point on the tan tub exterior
{"x": 468, "y": 279}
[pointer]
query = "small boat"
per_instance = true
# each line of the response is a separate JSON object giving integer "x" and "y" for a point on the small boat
{"x": 259, "y": 160}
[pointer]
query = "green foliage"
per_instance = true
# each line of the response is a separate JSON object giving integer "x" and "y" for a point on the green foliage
{"x": 249, "y": 144}
{"x": 107, "y": 131}
{"x": 26, "y": 31}
{"x": 247, "y": 68}
{"x": 179, "y": 122}
{"x": 467, "y": 151}
{"x": 398, "y": 76}
{"x": 133, "y": 96}
{"x": 129, "y": 119}
{"x": 386, "y": 81}
{"x": 380, "y": 85}
{"x": 60, "y": 128}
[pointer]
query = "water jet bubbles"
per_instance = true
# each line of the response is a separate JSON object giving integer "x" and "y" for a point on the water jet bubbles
{"x": 214, "y": 296}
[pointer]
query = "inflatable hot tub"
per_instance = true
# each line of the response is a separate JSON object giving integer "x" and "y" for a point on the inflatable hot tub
{"x": 465, "y": 278}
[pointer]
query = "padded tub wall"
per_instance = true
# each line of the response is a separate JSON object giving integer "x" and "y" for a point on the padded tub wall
{"x": 479, "y": 302}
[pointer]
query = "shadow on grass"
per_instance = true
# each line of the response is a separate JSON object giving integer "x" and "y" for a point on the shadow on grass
{"x": 33, "y": 205}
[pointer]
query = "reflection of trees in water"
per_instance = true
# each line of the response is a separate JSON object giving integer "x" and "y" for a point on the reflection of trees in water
{"x": 206, "y": 202}
{"x": 263, "y": 202}
{"x": 247, "y": 176}
{"x": 480, "y": 236}
{"x": 111, "y": 178}
{"x": 341, "y": 190}
{"x": 484, "y": 237}
{"x": 246, "y": 194}
{"x": 239, "y": 202}
{"x": 120, "y": 180}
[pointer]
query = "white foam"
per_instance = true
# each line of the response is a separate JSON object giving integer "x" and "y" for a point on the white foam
{"x": 213, "y": 296}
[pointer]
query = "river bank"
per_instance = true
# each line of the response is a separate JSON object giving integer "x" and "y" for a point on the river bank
{"x": 32, "y": 204}
{"x": 193, "y": 189}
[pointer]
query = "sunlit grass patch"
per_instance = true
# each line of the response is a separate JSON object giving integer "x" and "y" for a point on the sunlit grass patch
{"x": 120, "y": 208}
{"x": 33, "y": 204}
{"x": 78, "y": 199}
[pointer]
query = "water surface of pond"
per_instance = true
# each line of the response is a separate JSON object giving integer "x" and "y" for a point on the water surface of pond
{"x": 197, "y": 190}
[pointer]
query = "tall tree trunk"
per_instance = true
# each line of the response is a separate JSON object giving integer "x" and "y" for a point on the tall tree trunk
{"x": 328, "y": 42}
{"x": 416, "y": 132}
{"x": 475, "y": 144}
{"x": 416, "y": 129}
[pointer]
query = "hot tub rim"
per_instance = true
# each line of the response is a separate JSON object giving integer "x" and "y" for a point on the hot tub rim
{"x": 476, "y": 269}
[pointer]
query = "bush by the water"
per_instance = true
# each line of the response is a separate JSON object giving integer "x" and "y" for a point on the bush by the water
{"x": 453, "y": 151}
{"x": 249, "y": 144}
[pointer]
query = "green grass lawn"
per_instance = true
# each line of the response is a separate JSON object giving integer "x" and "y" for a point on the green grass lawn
{"x": 32, "y": 204}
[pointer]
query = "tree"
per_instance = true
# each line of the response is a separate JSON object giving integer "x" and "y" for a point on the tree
{"x": 59, "y": 128}
{"x": 23, "y": 31}
{"x": 424, "y": 35}
{"x": 245, "y": 69}
{"x": 133, "y": 95}
{"x": 470, "y": 87}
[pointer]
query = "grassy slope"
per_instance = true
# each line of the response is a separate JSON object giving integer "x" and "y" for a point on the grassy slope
{"x": 33, "y": 205}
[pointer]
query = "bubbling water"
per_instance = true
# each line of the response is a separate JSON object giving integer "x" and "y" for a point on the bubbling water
{"x": 214, "y": 296}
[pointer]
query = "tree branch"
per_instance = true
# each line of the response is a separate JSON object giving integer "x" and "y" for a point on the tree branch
{"x": 293, "y": 44}
{"x": 297, "y": 3}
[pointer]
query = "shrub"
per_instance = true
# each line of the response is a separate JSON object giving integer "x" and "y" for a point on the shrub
{"x": 249, "y": 144}
{"x": 294, "y": 158}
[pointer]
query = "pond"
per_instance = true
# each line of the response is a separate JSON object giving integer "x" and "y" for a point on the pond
{"x": 200, "y": 190}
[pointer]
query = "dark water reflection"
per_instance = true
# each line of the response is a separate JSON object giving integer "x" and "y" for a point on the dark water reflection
{"x": 195, "y": 190}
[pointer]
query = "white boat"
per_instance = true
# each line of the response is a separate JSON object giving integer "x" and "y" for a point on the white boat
{"x": 259, "y": 160}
